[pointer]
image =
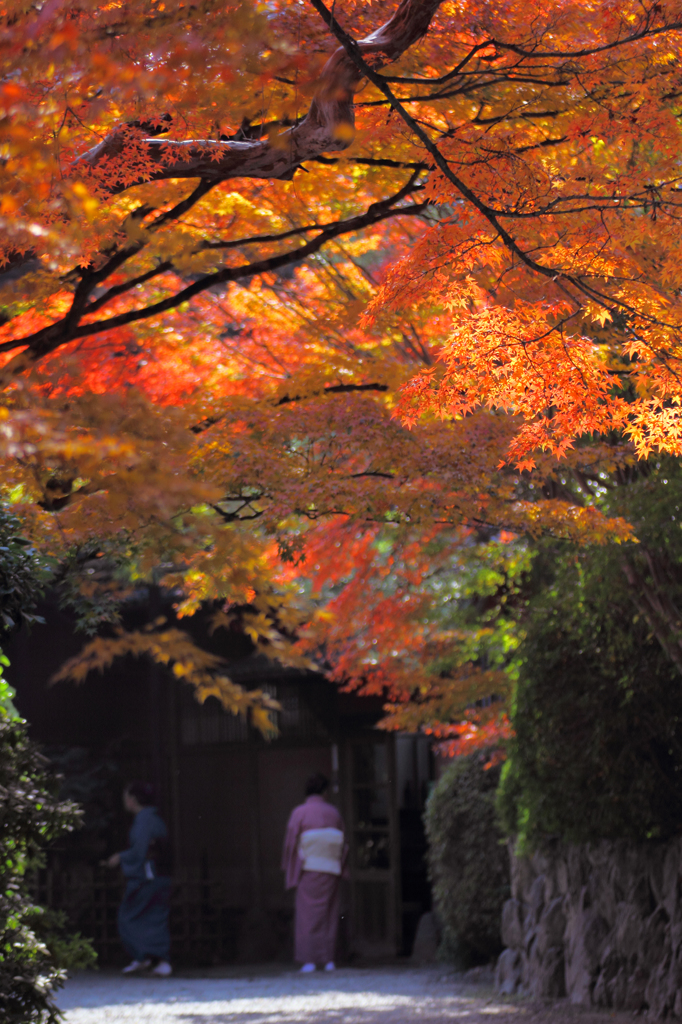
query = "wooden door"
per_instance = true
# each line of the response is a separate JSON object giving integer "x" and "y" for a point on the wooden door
{"x": 282, "y": 775}
{"x": 373, "y": 836}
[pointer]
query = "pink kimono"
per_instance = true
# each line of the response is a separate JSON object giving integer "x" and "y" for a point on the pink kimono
{"x": 317, "y": 891}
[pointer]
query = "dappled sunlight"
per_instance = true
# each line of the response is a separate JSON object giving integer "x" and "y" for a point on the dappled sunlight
{"x": 395, "y": 996}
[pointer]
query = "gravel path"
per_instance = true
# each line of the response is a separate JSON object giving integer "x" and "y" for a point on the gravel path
{"x": 389, "y": 995}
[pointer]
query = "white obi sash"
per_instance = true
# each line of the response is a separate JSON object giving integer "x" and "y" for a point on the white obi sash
{"x": 321, "y": 849}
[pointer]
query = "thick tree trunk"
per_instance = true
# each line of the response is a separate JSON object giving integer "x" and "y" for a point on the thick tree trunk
{"x": 328, "y": 126}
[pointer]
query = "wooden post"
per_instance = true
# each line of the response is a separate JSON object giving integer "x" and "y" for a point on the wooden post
{"x": 254, "y": 823}
{"x": 174, "y": 774}
{"x": 155, "y": 717}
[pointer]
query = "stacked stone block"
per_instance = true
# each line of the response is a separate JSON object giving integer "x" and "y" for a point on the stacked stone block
{"x": 601, "y": 924}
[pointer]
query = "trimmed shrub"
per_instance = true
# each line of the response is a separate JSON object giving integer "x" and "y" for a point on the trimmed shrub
{"x": 468, "y": 860}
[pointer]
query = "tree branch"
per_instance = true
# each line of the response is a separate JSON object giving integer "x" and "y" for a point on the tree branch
{"x": 354, "y": 51}
{"x": 335, "y": 389}
{"x": 327, "y": 127}
{"x": 493, "y": 216}
{"x": 48, "y": 339}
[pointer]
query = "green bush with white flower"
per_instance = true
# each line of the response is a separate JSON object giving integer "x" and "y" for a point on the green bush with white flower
{"x": 36, "y": 947}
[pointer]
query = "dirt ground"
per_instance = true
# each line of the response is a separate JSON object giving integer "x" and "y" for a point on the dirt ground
{"x": 382, "y": 995}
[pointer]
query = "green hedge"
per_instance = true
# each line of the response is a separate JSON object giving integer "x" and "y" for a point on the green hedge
{"x": 597, "y": 715}
{"x": 468, "y": 859}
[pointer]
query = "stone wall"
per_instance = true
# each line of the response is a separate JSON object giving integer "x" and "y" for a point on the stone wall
{"x": 601, "y": 924}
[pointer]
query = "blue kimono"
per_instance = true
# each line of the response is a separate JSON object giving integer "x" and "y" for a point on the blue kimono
{"x": 143, "y": 915}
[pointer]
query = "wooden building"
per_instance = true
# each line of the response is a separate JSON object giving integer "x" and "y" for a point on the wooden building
{"x": 226, "y": 795}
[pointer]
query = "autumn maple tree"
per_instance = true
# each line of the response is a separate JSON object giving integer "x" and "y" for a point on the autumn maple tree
{"x": 311, "y": 305}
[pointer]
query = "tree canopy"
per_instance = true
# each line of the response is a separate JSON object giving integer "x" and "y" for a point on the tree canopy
{"x": 304, "y": 305}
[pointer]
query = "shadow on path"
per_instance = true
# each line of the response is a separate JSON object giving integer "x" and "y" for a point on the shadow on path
{"x": 399, "y": 995}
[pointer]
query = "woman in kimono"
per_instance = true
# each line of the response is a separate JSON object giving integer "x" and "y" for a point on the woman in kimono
{"x": 143, "y": 914}
{"x": 313, "y": 859}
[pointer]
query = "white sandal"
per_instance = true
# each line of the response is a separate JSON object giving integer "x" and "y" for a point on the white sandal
{"x": 163, "y": 969}
{"x": 136, "y": 966}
